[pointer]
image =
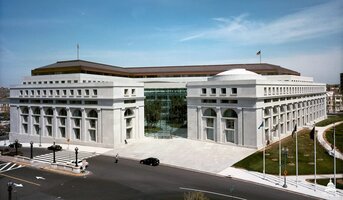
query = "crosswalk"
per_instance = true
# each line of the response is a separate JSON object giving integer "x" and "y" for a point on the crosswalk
{"x": 63, "y": 156}
{"x": 4, "y": 167}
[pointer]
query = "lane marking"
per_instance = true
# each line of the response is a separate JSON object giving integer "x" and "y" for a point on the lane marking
{"x": 209, "y": 192}
{"x": 19, "y": 179}
{"x": 5, "y": 166}
{"x": 11, "y": 167}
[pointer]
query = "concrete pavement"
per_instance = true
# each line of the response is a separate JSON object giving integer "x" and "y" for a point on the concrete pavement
{"x": 324, "y": 143}
{"x": 206, "y": 157}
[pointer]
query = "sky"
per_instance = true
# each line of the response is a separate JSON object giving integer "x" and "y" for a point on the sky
{"x": 302, "y": 35}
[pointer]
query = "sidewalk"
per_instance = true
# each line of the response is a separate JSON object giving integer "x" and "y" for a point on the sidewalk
{"x": 205, "y": 157}
{"x": 324, "y": 143}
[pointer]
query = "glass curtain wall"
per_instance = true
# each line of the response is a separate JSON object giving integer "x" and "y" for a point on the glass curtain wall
{"x": 165, "y": 112}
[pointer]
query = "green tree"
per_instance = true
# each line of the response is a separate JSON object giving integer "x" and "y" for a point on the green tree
{"x": 178, "y": 110}
{"x": 152, "y": 110}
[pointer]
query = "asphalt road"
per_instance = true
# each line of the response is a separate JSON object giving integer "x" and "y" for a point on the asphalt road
{"x": 130, "y": 180}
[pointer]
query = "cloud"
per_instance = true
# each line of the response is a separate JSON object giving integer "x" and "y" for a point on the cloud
{"x": 312, "y": 22}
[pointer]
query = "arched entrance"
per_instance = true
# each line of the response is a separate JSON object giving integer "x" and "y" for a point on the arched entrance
{"x": 229, "y": 119}
{"x": 209, "y": 117}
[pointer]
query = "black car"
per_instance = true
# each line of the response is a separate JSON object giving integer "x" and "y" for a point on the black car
{"x": 150, "y": 161}
{"x": 56, "y": 147}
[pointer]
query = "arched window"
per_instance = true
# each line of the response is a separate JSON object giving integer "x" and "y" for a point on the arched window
{"x": 62, "y": 112}
{"x": 25, "y": 110}
{"x": 230, "y": 113}
{"x": 36, "y": 111}
{"x": 128, "y": 112}
{"x": 49, "y": 112}
{"x": 92, "y": 114}
{"x": 210, "y": 113}
{"x": 77, "y": 113}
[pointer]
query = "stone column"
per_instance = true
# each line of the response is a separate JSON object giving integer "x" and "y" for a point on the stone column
{"x": 68, "y": 124}
{"x": 42, "y": 122}
{"x": 29, "y": 121}
{"x": 83, "y": 131}
{"x": 99, "y": 137}
{"x": 199, "y": 124}
{"x": 136, "y": 130}
{"x": 19, "y": 121}
{"x": 218, "y": 134}
{"x": 54, "y": 123}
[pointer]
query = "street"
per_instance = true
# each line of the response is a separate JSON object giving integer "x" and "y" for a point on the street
{"x": 130, "y": 180}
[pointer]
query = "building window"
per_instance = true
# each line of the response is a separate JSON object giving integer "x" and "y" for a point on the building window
{"x": 57, "y": 92}
{"x": 210, "y": 116}
{"x": 77, "y": 133}
{"x": 72, "y": 92}
{"x": 63, "y": 132}
{"x": 213, "y": 91}
{"x": 95, "y": 92}
{"x": 203, "y": 91}
{"x": 92, "y": 135}
{"x": 133, "y": 91}
{"x": 49, "y": 130}
{"x": 234, "y": 91}
{"x": 87, "y": 92}
{"x": 64, "y": 92}
{"x": 223, "y": 91}
{"x": 126, "y": 92}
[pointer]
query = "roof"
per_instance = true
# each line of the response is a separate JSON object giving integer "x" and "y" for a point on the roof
{"x": 82, "y": 66}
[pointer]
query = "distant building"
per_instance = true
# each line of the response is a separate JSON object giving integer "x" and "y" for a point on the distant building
{"x": 334, "y": 99}
{"x": 4, "y": 105}
{"x": 81, "y": 102}
{"x": 341, "y": 85}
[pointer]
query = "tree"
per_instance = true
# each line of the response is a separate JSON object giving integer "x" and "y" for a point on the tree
{"x": 152, "y": 110}
{"x": 178, "y": 110}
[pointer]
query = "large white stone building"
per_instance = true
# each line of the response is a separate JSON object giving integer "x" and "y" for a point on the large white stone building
{"x": 77, "y": 108}
{"x": 230, "y": 107}
{"x": 81, "y": 102}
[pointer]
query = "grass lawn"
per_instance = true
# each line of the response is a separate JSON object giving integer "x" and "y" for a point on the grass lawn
{"x": 325, "y": 182}
{"x": 330, "y": 120}
{"x": 339, "y": 137}
{"x": 254, "y": 162}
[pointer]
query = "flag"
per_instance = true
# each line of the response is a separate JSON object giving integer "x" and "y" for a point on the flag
{"x": 260, "y": 125}
{"x": 294, "y": 130}
{"x": 258, "y": 53}
{"x": 312, "y": 133}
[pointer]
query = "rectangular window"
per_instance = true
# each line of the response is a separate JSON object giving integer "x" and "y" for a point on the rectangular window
{"x": 203, "y": 91}
{"x": 64, "y": 92}
{"x": 77, "y": 133}
{"x": 87, "y": 92}
{"x": 63, "y": 132}
{"x": 223, "y": 91}
{"x": 126, "y": 92}
{"x": 57, "y": 92}
{"x": 91, "y": 102}
{"x": 32, "y": 92}
{"x": 75, "y": 102}
{"x": 92, "y": 135}
{"x": 61, "y": 101}
{"x": 48, "y": 101}
{"x": 95, "y": 92}
{"x": 79, "y": 92}
{"x": 72, "y": 92}
{"x": 133, "y": 91}
{"x": 44, "y": 92}
{"x": 49, "y": 130}
{"x": 233, "y": 91}
{"x": 213, "y": 91}
{"x": 21, "y": 92}
{"x": 208, "y": 101}
{"x": 129, "y": 101}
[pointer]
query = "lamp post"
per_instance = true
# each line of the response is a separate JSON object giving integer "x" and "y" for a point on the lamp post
{"x": 16, "y": 146}
{"x": 285, "y": 155}
{"x": 53, "y": 151}
{"x": 76, "y": 151}
{"x": 31, "y": 145}
{"x": 9, "y": 189}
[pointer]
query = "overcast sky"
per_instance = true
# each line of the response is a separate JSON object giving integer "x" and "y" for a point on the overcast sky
{"x": 302, "y": 35}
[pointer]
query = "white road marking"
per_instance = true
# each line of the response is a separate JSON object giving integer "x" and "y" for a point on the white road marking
{"x": 209, "y": 192}
{"x": 5, "y": 166}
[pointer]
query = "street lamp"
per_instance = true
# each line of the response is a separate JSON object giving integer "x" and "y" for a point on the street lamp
{"x": 76, "y": 151}
{"x": 9, "y": 189}
{"x": 31, "y": 145}
{"x": 16, "y": 146}
{"x": 54, "y": 150}
{"x": 285, "y": 155}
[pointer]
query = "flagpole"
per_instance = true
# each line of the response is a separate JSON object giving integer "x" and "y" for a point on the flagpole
{"x": 315, "y": 158}
{"x": 279, "y": 156}
{"x": 296, "y": 157}
{"x": 78, "y": 47}
{"x": 334, "y": 154}
{"x": 260, "y": 56}
{"x": 264, "y": 148}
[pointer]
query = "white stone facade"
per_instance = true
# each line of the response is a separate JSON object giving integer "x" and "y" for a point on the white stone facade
{"x": 230, "y": 107}
{"x": 77, "y": 108}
